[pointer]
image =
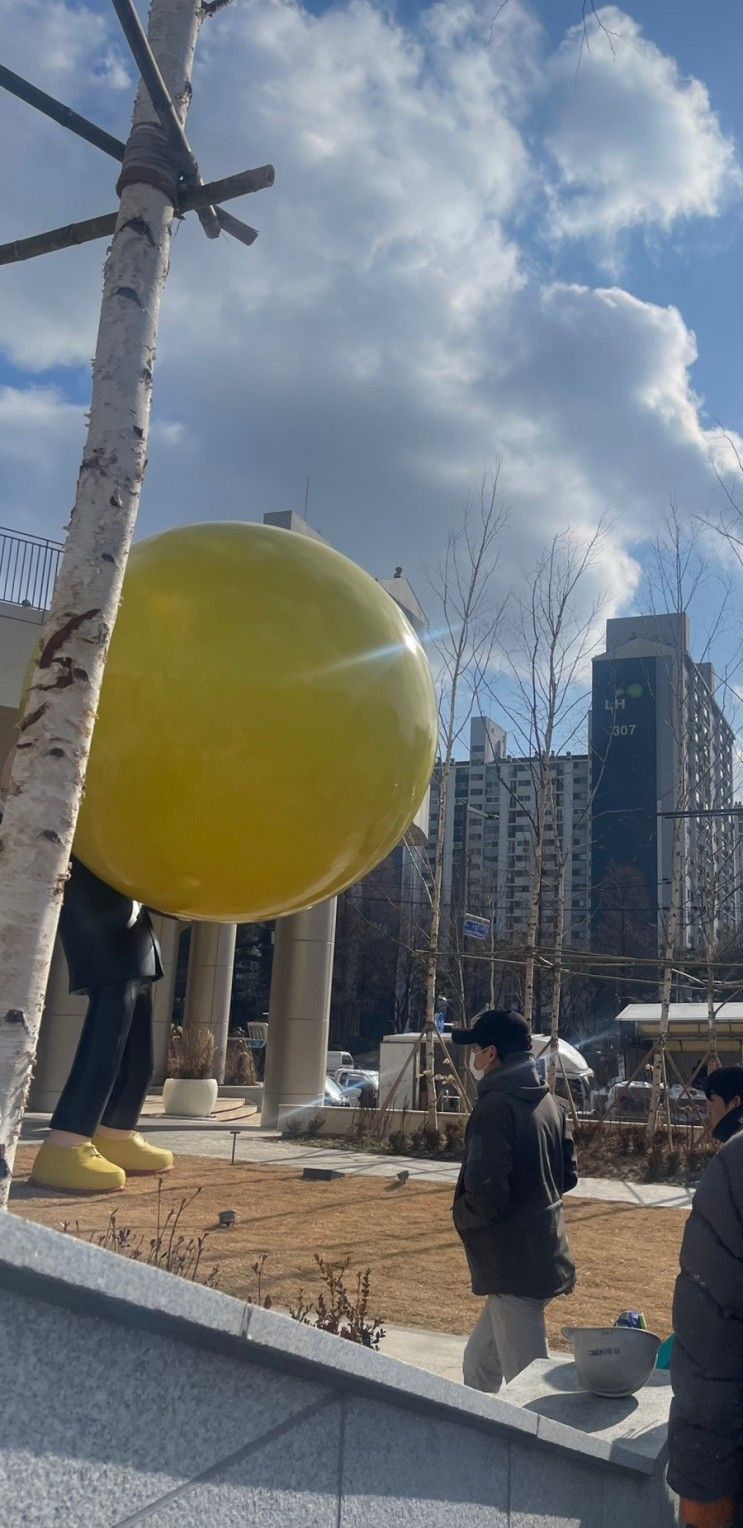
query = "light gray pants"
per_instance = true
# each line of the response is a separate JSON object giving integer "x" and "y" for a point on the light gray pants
{"x": 510, "y": 1334}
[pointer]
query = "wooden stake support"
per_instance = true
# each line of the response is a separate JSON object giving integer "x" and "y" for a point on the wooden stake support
{"x": 194, "y": 196}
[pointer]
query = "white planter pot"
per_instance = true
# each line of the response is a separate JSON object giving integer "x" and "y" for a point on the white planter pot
{"x": 194, "y": 1096}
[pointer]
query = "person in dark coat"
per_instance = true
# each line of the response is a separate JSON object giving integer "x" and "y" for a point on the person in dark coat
{"x": 705, "y": 1438}
{"x": 519, "y": 1160}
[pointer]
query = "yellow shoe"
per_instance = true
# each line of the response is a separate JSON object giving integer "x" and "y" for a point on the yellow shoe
{"x": 76, "y": 1169}
{"x": 134, "y": 1153}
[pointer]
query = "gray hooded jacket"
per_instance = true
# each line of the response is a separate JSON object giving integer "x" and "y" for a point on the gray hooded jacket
{"x": 519, "y": 1160}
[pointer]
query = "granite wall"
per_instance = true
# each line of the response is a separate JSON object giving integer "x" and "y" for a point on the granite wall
{"x": 131, "y": 1396}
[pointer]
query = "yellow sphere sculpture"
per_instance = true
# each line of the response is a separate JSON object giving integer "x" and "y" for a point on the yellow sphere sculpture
{"x": 266, "y": 731}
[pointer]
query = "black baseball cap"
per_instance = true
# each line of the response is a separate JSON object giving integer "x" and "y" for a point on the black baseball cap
{"x": 507, "y": 1031}
{"x": 726, "y": 1083}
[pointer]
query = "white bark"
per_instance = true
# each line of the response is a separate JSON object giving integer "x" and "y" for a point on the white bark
{"x": 535, "y": 883}
{"x": 52, "y": 751}
{"x": 557, "y": 975}
{"x": 465, "y": 648}
{"x": 659, "y": 1069}
{"x": 491, "y": 962}
{"x": 432, "y": 952}
{"x": 551, "y": 643}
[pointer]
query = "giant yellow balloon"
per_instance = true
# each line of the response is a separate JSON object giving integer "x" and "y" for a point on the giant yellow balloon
{"x": 266, "y": 731}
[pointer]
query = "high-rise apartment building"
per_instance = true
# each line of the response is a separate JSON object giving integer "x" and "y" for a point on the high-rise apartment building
{"x": 660, "y": 747}
{"x": 490, "y": 838}
{"x": 660, "y": 755}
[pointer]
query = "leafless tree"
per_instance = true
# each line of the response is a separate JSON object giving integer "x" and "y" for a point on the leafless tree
{"x": 551, "y": 634}
{"x": 676, "y": 574}
{"x": 470, "y": 615}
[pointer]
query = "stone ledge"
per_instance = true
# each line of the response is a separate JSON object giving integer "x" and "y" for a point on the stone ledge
{"x": 634, "y": 1424}
{"x": 75, "y": 1275}
{"x": 66, "y": 1271}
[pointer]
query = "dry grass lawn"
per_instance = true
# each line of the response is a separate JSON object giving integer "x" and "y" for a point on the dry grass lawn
{"x": 626, "y": 1257}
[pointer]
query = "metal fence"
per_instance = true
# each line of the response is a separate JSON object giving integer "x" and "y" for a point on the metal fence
{"x": 28, "y": 569}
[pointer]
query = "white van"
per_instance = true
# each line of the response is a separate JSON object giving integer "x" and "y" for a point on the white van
{"x": 575, "y": 1069}
{"x": 338, "y": 1059}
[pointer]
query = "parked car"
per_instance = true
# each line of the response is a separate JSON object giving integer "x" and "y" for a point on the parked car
{"x": 335, "y": 1098}
{"x": 573, "y": 1069}
{"x": 359, "y": 1085}
{"x": 629, "y": 1100}
{"x": 688, "y": 1107}
{"x": 337, "y": 1059}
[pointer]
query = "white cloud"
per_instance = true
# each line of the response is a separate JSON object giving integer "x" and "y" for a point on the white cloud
{"x": 171, "y": 432}
{"x": 391, "y": 332}
{"x": 41, "y": 437}
{"x": 49, "y": 306}
{"x": 635, "y": 144}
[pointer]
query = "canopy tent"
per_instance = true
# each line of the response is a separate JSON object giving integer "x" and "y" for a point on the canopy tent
{"x": 688, "y": 1025}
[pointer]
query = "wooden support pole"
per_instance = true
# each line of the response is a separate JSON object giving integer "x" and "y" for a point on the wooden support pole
{"x": 242, "y": 184}
{"x": 64, "y": 115}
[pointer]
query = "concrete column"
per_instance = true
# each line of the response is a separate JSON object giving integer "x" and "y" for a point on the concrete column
{"x": 299, "y": 1013}
{"x": 169, "y": 933}
{"x": 211, "y": 965}
{"x": 61, "y": 1024}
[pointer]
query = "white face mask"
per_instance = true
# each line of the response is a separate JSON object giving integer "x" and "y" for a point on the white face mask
{"x": 477, "y": 1065}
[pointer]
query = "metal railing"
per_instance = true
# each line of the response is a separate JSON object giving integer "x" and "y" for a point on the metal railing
{"x": 28, "y": 569}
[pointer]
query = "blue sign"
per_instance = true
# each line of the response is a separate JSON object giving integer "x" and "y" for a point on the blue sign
{"x": 476, "y": 928}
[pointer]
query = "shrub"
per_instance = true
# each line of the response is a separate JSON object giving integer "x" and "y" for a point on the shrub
{"x": 258, "y": 1267}
{"x": 303, "y": 1124}
{"x": 454, "y": 1136}
{"x": 239, "y": 1067}
{"x": 359, "y": 1131}
{"x": 167, "y": 1249}
{"x": 191, "y": 1052}
{"x": 397, "y": 1140}
{"x": 426, "y": 1141}
{"x": 621, "y": 1150}
{"x": 338, "y": 1311}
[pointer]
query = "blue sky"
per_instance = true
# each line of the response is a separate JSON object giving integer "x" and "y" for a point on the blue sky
{"x": 482, "y": 244}
{"x": 698, "y": 269}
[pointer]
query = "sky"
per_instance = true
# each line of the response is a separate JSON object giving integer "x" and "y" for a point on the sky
{"x": 494, "y": 237}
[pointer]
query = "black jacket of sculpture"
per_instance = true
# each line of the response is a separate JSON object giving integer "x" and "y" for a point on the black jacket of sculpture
{"x": 706, "y": 1427}
{"x": 106, "y": 937}
{"x": 519, "y": 1160}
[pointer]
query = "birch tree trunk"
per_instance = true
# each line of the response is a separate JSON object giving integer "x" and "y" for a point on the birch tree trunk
{"x": 557, "y": 976}
{"x": 491, "y": 961}
{"x": 551, "y": 641}
{"x": 432, "y": 952}
{"x": 465, "y": 648}
{"x": 712, "y": 1051}
{"x": 535, "y": 892}
{"x": 668, "y": 957}
{"x": 713, "y": 923}
{"x": 51, "y": 755}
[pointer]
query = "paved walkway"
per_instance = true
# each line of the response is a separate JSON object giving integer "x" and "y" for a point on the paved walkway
{"x": 236, "y": 1128}
{"x": 436, "y": 1352}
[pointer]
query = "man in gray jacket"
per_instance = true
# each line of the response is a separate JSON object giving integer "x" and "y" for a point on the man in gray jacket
{"x": 519, "y": 1160}
{"x": 706, "y": 1427}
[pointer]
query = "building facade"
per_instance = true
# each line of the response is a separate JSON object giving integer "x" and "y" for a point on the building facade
{"x": 490, "y": 835}
{"x": 662, "y": 754}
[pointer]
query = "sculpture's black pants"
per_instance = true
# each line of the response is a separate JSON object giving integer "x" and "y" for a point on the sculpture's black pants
{"x": 113, "y": 1064}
